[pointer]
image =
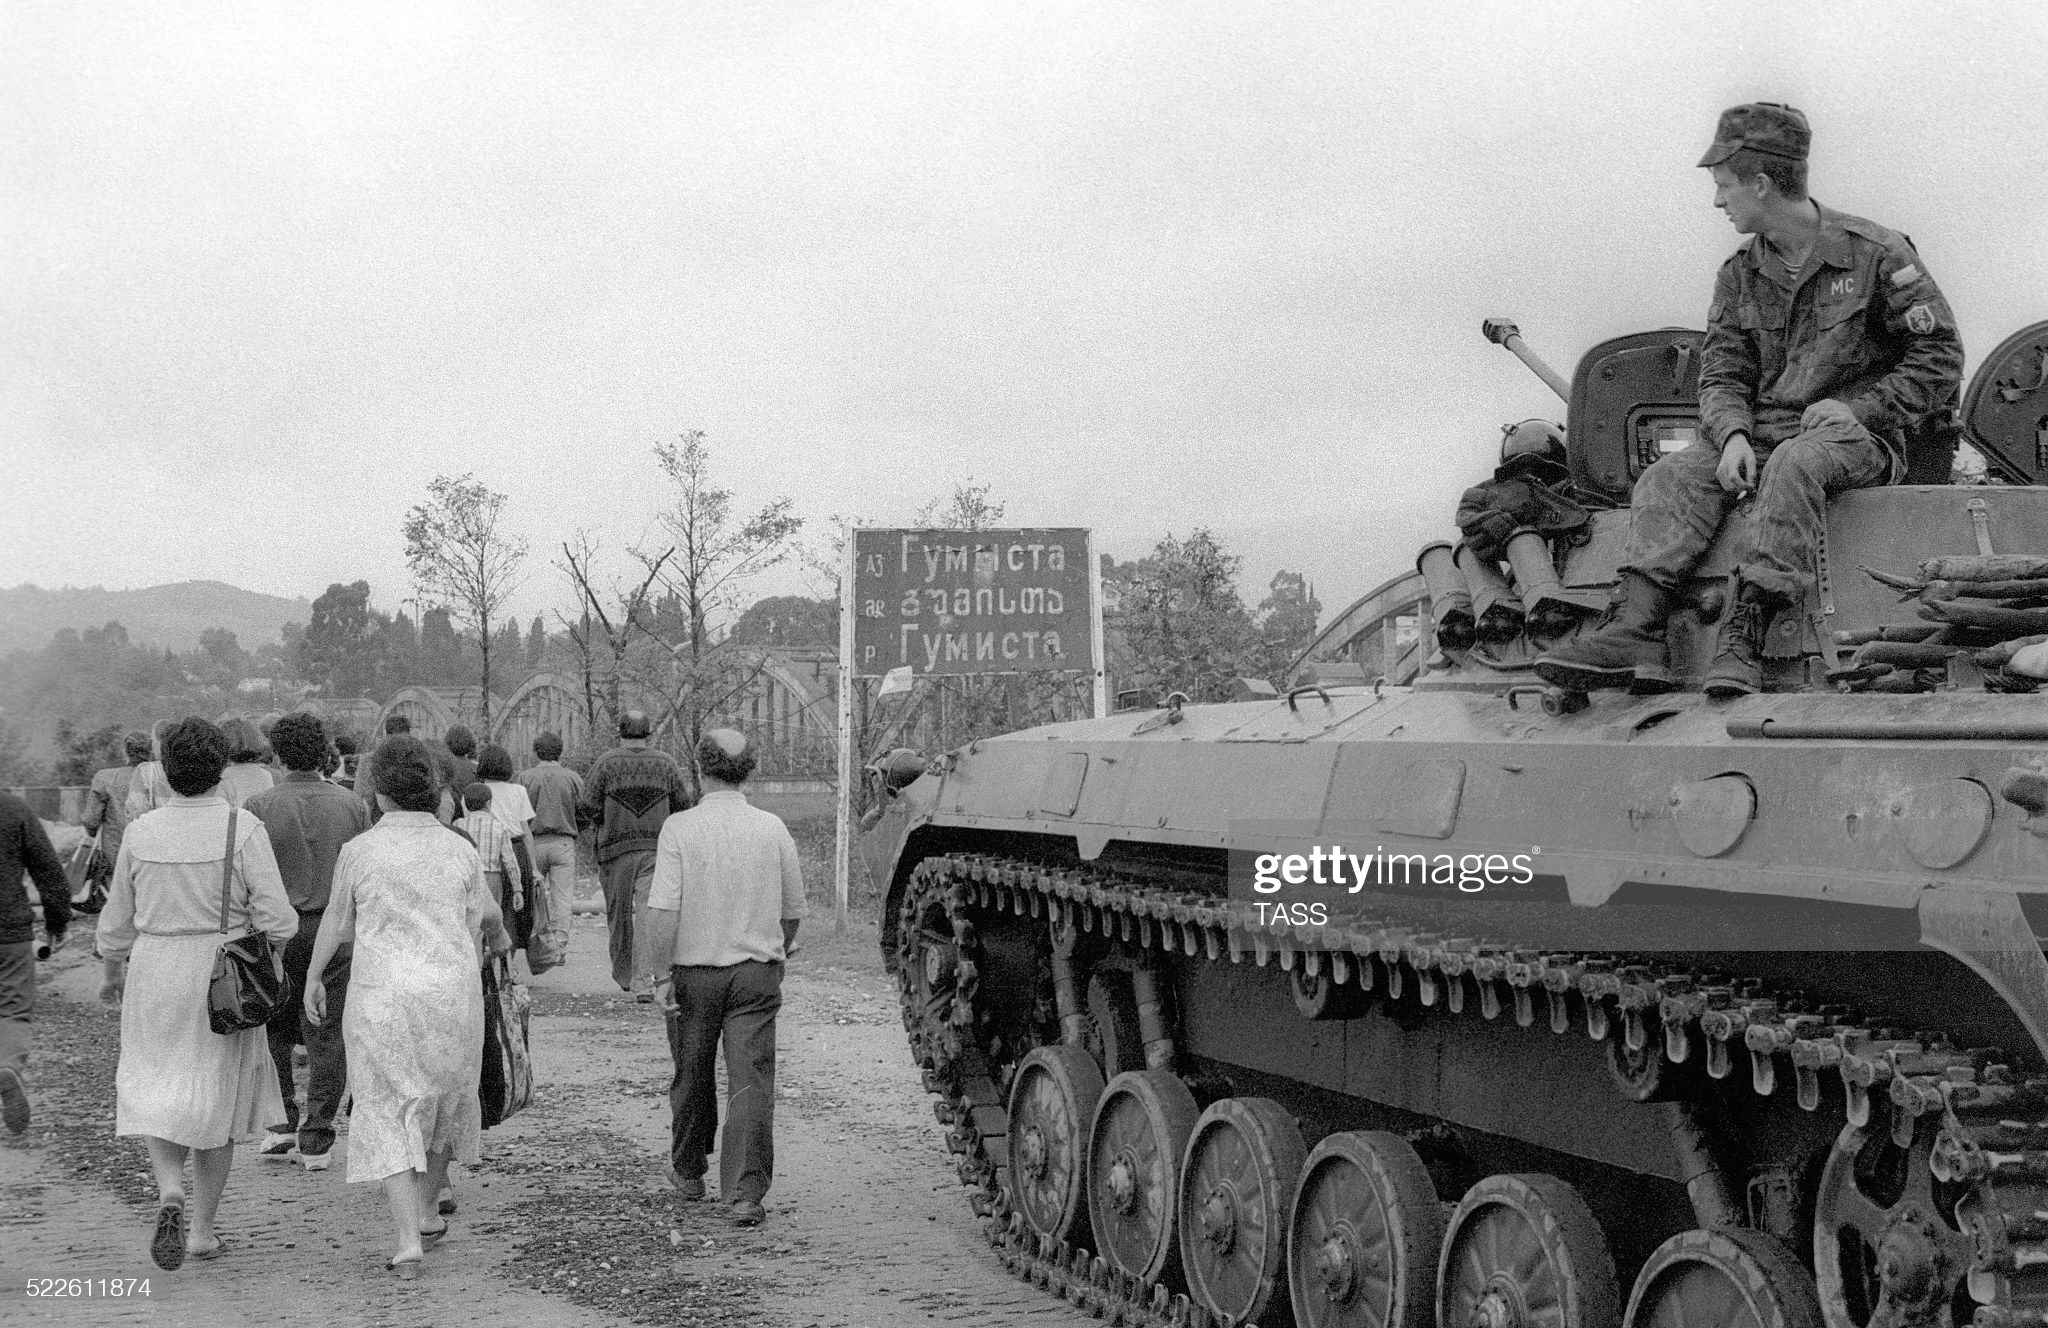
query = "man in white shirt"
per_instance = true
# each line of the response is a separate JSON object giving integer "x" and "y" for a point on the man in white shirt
{"x": 723, "y": 908}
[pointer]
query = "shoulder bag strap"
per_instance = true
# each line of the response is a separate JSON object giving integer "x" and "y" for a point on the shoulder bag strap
{"x": 227, "y": 868}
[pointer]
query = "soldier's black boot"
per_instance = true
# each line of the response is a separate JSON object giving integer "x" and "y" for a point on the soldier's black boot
{"x": 1630, "y": 636}
{"x": 1738, "y": 667}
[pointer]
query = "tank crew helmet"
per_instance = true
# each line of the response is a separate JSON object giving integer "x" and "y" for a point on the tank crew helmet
{"x": 1769, "y": 127}
{"x": 1534, "y": 447}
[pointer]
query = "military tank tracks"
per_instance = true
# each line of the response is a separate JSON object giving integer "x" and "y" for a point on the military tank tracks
{"x": 1933, "y": 1200}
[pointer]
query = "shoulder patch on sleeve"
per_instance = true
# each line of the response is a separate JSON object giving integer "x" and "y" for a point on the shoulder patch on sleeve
{"x": 1906, "y": 275}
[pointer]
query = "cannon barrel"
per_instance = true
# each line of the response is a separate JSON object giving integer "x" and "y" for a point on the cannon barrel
{"x": 1503, "y": 332}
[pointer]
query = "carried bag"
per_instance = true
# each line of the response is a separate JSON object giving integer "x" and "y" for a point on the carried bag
{"x": 506, "y": 1085}
{"x": 249, "y": 983}
{"x": 89, "y": 871}
{"x": 542, "y": 951}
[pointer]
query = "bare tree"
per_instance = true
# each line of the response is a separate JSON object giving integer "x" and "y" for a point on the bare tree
{"x": 716, "y": 552}
{"x": 611, "y": 612}
{"x": 461, "y": 559}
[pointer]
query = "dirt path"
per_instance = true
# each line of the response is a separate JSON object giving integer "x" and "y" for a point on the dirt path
{"x": 568, "y": 1221}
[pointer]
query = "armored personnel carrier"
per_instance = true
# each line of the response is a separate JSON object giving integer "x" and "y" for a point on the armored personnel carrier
{"x": 1449, "y": 999}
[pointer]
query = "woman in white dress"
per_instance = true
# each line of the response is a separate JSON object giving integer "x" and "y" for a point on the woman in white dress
{"x": 181, "y": 1086}
{"x": 410, "y": 894}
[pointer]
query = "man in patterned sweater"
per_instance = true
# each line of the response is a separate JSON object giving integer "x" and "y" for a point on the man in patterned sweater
{"x": 630, "y": 791}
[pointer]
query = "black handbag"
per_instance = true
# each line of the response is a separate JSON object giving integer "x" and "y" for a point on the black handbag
{"x": 506, "y": 1085}
{"x": 249, "y": 983}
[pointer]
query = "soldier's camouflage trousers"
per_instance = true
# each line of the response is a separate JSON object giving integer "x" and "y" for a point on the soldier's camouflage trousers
{"x": 1679, "y": 505}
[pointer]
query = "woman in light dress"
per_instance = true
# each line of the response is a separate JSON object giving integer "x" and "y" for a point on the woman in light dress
{"x": 410, "y": 894}
{"x": 181, "y": 1086}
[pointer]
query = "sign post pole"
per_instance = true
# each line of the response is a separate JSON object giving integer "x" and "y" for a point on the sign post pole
{"x": 841, "y": 836}
{"x": 1100, "y": 662}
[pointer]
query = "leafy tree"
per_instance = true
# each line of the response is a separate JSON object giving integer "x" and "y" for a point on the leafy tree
{"x": 339, "y": 652}
{"x": 440, "y": 655}
{"x": 395, "y": 645}
{"x": 789, "y": 622}
{"x": 220, "y": 645}
{"x": 1178, "y": 618}
{"x": 462, "y": 558}
{"x": 280, "y": 658}
{"x": 1286, "y": 621}
{"x": 536, "y": 643}
{"x": 83, "y": 753}
{"x": 222, "y": 660}
{"x": 510, "y": 650}
{"x": 15, "y": 766}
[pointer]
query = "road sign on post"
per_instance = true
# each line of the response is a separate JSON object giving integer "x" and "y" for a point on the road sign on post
{"x": 955, "y": 602}
{"x": 918, "y": 603}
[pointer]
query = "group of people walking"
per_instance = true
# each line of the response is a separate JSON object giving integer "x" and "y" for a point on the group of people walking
{"x": 385, "y": 888}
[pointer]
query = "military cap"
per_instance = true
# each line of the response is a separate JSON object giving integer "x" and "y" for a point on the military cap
{"x": 1761, "y": 126}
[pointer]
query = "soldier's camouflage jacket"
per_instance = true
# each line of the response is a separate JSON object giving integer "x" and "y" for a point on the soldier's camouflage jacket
{"x": 1866, "y": 326}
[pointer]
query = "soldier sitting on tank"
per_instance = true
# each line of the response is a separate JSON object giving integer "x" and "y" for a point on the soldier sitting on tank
{"x": 1827, "y": 344}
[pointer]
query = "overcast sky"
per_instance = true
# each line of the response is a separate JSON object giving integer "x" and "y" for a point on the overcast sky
{"x": 1141, "y": 267}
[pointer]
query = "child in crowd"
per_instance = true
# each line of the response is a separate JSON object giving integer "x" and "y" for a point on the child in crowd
{"x": 493, "y": 845}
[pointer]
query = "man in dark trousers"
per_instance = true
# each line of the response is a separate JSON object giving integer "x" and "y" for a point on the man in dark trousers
{"x": 24, "y": 849}
{"x": 722, "y": 914}
{"x": 631, "y": 790}
{"x": 309, "y": 819}
{"x": 1827, "y": 345}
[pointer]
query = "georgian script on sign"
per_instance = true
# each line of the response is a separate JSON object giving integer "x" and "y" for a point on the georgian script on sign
{"x": 971, "y": 601}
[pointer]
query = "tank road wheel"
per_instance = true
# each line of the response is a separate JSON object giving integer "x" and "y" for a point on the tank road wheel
{"x": 1366, "y": 1230}
{"x": 1051, "y": 1103}
{"x": 1134, "y": 1152}
{"x": 1731, "y": 1279}
{"x": 1236, "y": 1185}
{"x": 1524, "y": 1252}
{"x": 1885, "y": 1246}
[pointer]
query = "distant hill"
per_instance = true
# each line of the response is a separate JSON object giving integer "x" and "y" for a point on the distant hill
{"x": 172, "y": 616}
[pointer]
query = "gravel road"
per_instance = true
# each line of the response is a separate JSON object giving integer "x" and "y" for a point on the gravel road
{"x": 568, "y": 1220}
